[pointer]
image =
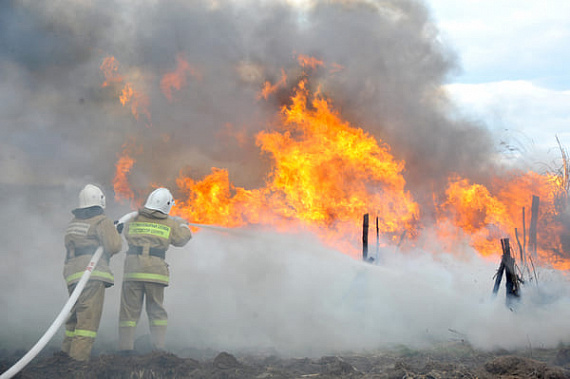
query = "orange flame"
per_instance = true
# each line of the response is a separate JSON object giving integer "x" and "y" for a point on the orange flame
{"x": 306, "y": 61}
{"x": 139, "y": 102}
{"x": 177, "y": 79}
{"x": 127, "y": 95}
{"x": 484, "y": 218}
{"x": 110, "y": 68}
{"x": 336, "y": 68}
{"x": 481, "y": 217}
{"x": 518, "y": 192}
{"x": 327, "y": 172}
{"x": 326, "y": 175}
{"x": 124, "y": 165}
{"x": 269, "y": 88}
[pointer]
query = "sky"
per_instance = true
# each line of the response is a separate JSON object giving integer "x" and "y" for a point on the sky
{"x": 513, "y": 75}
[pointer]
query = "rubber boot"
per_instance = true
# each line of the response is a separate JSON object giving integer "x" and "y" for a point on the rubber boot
{"x": 158, "y": 336}
{"x": 66, "y": 344}
{"x": 126, "y": 338}
{"x": 81, "y": 348}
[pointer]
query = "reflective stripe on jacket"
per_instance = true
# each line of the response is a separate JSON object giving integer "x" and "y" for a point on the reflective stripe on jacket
{"x": 83, "y": 236}
{"x": 152, "y": 231}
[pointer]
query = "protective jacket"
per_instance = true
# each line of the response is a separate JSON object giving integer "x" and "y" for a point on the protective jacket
{"x": 88, "y": 230}
{"x": 149, "y": 235}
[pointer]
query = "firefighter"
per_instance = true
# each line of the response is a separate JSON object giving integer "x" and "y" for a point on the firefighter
{"x": 149, "y": 234}
{"x": 88, "y": 230}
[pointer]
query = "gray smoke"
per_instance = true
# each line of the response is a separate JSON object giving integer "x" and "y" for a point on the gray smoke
{"x": 61, "y": 125}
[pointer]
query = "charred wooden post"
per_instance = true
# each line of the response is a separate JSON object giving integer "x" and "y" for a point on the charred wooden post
{"x": 512, "y": 279}
{"x": 499, "y": 277}
{"x": 525, "y": 257}
{"x": 507, "y": 267}
{"x": 377, "y": 240}
{"x": 365, "y": 238}
{"x": 521, "y": 251}
{"x": 532, "y": 240}
{"x": 524, "y": 232}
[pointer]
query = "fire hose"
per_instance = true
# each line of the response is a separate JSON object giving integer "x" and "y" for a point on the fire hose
{"x": 129, "y": 216}
{"x": 60, "y": 319}
{"x": 64, "y": 314}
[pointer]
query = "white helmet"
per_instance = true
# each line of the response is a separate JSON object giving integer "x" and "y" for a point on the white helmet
{"x": 91, "y": 196}
{"x": 161, "y": 200}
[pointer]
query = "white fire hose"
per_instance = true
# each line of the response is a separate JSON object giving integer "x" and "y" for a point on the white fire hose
{"x": 60, "y": 319}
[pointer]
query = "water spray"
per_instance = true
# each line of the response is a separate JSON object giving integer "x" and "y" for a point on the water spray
{"x": 60, "y": 319}
{"x": 213, "y": 227}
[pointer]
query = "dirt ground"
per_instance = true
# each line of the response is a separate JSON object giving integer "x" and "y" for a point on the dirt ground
{"x": 453, "y": 360}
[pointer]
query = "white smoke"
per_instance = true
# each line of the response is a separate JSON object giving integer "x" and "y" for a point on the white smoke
{"x": 290, "y": 294}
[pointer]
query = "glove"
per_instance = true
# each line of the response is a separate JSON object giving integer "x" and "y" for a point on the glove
{"x": 119, "y": 226}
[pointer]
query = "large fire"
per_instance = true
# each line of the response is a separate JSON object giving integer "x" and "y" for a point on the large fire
{"x": 326, "y": 174}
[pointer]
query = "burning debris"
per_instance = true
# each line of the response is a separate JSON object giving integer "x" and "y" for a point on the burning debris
{"x": 508, "y": 267}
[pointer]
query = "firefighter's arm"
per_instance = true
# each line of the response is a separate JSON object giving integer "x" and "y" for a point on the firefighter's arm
{"x": 181, "y": 233}
{"x": 109, "y": 237}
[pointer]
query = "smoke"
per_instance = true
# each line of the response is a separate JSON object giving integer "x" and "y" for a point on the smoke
{"x": 61, "y": 122}
{"x": 384, "y": 65}
{"x": 287, "y": 294}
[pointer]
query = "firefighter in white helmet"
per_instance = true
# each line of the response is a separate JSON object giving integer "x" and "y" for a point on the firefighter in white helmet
{"x": 88, "y": 230}
{"x": 149, "y": 234}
